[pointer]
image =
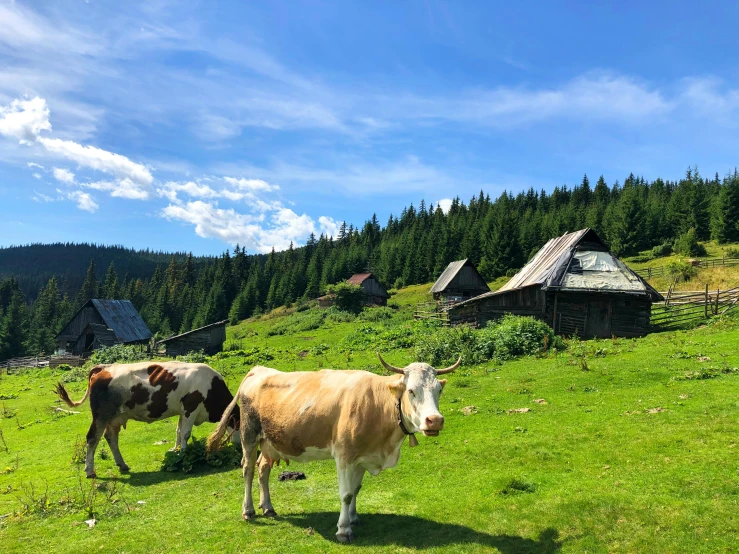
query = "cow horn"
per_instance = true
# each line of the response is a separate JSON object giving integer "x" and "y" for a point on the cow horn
{"x": 390, "y": 367}
{"x": 450, "y": 368}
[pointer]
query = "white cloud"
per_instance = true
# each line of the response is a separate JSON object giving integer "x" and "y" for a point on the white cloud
{"x": 36, "y": 175}
{"x": 25, "y": 119}
{"x": 251, "y": 184}
{"x": 190, "y": 188}
{"x": 101, "y": 160}
{"x": 445, "y": 204}
{"x": 123, "y": 188}
{"x": 84, "y": 201}
{"x": 32, "y": 164}
{"x": 41, "y": 197}
{"x": 63, "y": 175}
{"x": 328, "y": 226}
{"x": 228, "y": 225}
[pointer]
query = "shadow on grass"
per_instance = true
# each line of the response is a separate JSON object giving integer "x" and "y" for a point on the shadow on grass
{"x": 416, "y": 532}
{"x": 144, "y": 478}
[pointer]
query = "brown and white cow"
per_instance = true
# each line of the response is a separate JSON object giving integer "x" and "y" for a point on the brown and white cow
{"x": 149, "y": 391}
{"x": 356, "y": 417}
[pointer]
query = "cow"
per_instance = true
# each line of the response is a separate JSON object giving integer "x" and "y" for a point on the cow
{"x": 358, "y": 418}
{"x": 149, "y": 391}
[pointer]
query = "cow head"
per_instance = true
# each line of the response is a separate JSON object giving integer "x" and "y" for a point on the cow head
{"x": 419, "y": 391}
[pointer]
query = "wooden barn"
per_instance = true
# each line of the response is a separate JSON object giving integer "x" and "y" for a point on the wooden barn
{"x": 209, "y": 339}
{"x": 374, "y": 293}
{"x": 576, "y": 285}
{"x": 459, "y": 281}
{"x": 103, "y": 323}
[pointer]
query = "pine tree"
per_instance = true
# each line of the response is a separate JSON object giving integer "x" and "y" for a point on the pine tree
{"x": 725, "y": 216}
{"x": 89, "y": 288}
{"x": 110, "y": 286}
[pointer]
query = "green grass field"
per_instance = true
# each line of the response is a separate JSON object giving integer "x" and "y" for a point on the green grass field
{"x": 606, "y": 446}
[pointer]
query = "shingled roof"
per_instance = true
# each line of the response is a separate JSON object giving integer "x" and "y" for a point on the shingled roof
{"x": 358, "y": 278}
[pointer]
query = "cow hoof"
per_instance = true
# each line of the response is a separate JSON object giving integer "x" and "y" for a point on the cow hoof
{"x": 345, "y": 538}
{"x": 249, "y": 516}
{"x": 124, "y": 469}
{"x": 270, "y": 513}
{"x": 92, "y": 475}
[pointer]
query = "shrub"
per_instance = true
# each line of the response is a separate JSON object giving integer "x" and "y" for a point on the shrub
{"x": 118, "y": 353}
{"x": 511, "y": 272}
{"x": 193, "y": 357}
{"x": 515, "y": 336}
{"x": 687, "y": 245}
{"x": 298, "y": 322}
{"x": 664, "y": 249}
{"x": 444, "y": 346}
{"x": 732, "y": 252}
{"x": 680, "y": 270}
{"x": 376, "y": 314}
{"x": 335, "y": 315}
{"x": 196, "y": 457}
{"x": 348, "y": 297}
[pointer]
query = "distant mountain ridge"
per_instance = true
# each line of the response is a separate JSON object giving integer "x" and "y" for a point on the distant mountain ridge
{"x": 34, "y": 264}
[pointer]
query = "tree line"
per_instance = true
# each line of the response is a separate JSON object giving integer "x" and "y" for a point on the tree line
{"x": 499, "y": 236}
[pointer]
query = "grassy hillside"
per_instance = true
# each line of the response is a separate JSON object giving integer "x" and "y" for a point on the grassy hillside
{"x": 602, "y": 446}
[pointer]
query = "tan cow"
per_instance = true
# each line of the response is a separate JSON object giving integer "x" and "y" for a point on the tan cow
{"x": 149, "y": 391}
{"x": 355, "y": 417}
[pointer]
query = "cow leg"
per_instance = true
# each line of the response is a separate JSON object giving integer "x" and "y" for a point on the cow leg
{"x": 111, "y": 436}
{"x": 248, "y": 461}
{"x": 177, "y": 436}
{"x": 353, "y": 517}
{"x": 350, "y": 481}
{"x": 265, "y": 502}
{"x": 184, "y": 431}
{"x": 93, "y": 438}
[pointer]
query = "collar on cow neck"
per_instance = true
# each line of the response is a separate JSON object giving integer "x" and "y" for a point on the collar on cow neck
{"x": 412, "y": 441}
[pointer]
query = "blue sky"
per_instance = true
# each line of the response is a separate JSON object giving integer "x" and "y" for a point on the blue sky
{"x": 199, "y": 125}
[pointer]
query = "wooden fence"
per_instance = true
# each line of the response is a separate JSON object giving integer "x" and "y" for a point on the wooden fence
{"x": 433, "y": 311}
{"x": 660, "y": 271}
{"x": 682, "y": 308}
{"x": 15, "y": 365}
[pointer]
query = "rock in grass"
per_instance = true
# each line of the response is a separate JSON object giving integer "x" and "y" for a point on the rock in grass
{"x": 291, "y": 476}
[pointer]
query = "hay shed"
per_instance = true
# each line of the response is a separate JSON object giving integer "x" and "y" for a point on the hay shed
{"x": 459, "y": 281}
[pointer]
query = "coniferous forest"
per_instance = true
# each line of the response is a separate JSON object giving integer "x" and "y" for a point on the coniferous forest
{"x": 43, "y": 285}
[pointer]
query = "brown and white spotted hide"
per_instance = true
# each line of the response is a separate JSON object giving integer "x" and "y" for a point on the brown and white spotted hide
{"x": 350, "y": 416}
{"x": 149, "y": 391}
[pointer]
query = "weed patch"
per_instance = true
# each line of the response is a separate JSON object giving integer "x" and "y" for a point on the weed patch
{"x": 517, "y": 486}
{"x": 196, "y": 457}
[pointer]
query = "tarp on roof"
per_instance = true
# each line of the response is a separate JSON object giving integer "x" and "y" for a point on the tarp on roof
{"x": 578, "y": 261}
{"x": 123, "y": 319}
{"x": 451, "y": 271}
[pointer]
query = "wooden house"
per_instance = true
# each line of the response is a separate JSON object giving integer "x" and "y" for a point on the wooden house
{"x": 459, "y": 281}
{"x": 576, "y": 285}
{"x": 374, "y": 293}
{"x": 209, "y": 339}
{"x": 103, "y": 323}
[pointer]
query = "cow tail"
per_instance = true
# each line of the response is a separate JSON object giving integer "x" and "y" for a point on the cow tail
{"x": 216, "y": 437}
{"x": 63, "y": 394}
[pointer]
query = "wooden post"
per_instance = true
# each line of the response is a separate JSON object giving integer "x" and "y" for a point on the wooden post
{"x": 707, "y": 297}
{"x": 718, "y": 294}
{"x": 554, "y": 316}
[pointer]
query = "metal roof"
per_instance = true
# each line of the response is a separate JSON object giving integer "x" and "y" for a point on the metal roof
{"x": 216, "y": 324}
{"x": 358, "y": 278}
{"x": 450, "y": 273}
{"x": 542, "y": 265}
{"x": 123, "y": 319}
{"x": 548, "y": 266}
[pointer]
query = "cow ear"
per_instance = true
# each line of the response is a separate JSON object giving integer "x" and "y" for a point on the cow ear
{"x": 442, "y": 382}
{"x": 397, "y": 387}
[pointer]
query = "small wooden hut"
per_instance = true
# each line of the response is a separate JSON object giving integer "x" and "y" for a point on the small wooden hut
{"x": 209, "y": 339}
{"x": 103, "y": 323}
{"x": 375, "y": 294}
{"x": 576, "y": 285}
{"x": 459, "y": 281}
